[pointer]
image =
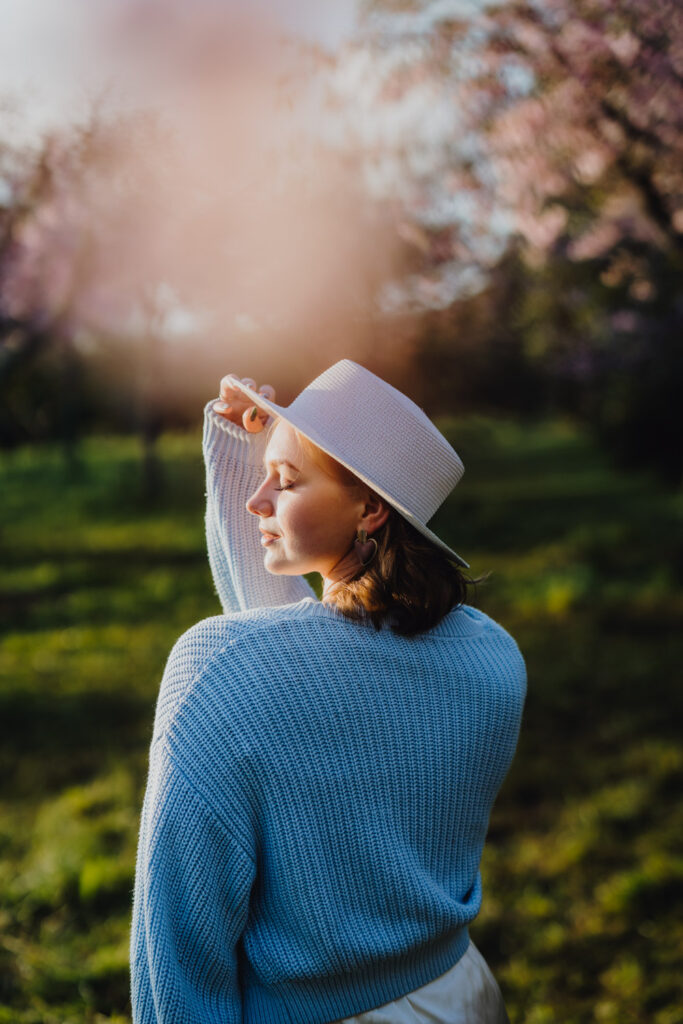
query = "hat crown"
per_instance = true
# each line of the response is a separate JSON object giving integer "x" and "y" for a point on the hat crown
{"x": 381, "y": 434}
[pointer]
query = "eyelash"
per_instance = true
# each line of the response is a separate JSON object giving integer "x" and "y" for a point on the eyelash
{"x": 285, "y": 488}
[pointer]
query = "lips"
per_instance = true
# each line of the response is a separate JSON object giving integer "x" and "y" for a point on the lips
{"x": 268, "y": 538}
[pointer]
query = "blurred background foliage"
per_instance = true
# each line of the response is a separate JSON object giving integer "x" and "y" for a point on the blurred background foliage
{"x": 583, "y": 869}
{"x": 483, "y": 204}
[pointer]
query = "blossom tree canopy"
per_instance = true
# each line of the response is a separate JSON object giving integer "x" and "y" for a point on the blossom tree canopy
{"x": 541, "y": 122}
{"x": 209, "y": 183}
{"x": 244, "y": 182}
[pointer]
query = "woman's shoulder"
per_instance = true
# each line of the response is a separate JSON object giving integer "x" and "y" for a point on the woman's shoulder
{"x": 483, "y": 650}
{"x": 238, "y": 669}
{"x": 308, "y": 628}
{"x": 490, "y": 629}
{"x": 218, "y": 632}
{"x": 467, "y": 620}
{"x": 464, "y": 622}
{"x": 216, "y": 641}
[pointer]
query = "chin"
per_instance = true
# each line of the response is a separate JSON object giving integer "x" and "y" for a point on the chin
{"x": 282, "y": 568}
{"x": 276, "y": 567}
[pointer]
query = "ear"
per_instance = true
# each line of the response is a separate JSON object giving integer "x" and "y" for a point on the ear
{"x": 375, "y": 514}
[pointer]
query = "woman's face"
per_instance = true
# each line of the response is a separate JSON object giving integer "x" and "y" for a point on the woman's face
{"x": 308, "y": 519}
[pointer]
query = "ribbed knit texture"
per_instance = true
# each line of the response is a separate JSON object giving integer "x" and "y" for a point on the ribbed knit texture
{"x": 318, "y": 793}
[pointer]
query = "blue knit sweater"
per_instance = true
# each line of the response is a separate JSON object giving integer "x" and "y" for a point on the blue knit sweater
{"x": 318, "y": 792}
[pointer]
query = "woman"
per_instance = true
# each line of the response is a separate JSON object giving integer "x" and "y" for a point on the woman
{"x": 322, "y": 772}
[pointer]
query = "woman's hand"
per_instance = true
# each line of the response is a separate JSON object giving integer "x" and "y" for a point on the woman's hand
{"x": 236, "y": 407}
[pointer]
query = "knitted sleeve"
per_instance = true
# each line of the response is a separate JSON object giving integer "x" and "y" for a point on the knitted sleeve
{"x": 234, "y": 469}
{"x": 190, "y": 907}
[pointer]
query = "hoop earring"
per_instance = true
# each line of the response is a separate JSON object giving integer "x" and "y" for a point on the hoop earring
{"x": 366, "y": 547}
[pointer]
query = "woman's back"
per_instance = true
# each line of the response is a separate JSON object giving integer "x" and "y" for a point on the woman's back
{"x": 350, "y": 773}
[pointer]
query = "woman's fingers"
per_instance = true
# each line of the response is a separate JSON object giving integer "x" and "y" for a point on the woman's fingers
{"x": 228, "y": 389}
{"x": 237, "y": 407}
{"x": 254, "y": 419}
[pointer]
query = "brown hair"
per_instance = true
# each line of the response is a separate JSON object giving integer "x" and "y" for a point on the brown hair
{"x": 410, "y": 584}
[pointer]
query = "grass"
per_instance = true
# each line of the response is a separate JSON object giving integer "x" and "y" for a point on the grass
{"x": 583, "y": 867}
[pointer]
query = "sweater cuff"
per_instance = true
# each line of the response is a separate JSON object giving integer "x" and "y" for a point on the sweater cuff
{"x": 230, "y": 441}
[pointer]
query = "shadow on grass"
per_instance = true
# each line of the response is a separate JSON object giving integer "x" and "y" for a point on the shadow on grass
{"x": 50, "y": 740}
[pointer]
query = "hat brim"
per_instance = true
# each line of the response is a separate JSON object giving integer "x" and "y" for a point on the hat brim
{"x": 309, "y": 431}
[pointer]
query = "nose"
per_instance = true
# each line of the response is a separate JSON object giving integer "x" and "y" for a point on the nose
{"x": 259, "y": 504}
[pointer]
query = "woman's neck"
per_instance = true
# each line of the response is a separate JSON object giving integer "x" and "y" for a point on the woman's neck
{"x": 346, "y": 569}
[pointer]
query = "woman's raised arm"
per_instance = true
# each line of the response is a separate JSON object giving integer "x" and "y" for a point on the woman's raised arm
{"x": 233, "y": 457}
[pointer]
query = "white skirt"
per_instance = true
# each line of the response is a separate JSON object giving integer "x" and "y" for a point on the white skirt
{"x": 466, "y": 994}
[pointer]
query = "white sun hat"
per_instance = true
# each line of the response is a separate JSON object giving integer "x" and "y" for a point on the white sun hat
{"x": 379, "y": 434}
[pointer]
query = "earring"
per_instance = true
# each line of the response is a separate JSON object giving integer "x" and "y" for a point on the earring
{"x": 366, "y": 547}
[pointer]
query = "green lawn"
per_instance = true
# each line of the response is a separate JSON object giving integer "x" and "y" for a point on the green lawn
{"x": 583, "y": 870}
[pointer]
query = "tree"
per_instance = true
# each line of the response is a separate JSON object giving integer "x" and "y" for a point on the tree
{"x": 210, "y": 185}
{"x": 565, "y": 147}
{"x": 592, "y": 161}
